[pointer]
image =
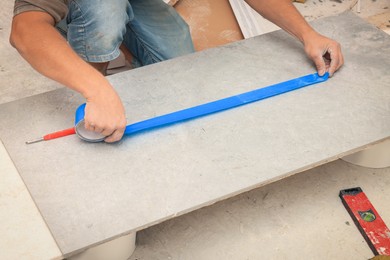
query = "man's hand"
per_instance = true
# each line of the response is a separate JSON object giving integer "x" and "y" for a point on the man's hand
{"x": 324, "y": 52}
{"x": 104, "y": 114}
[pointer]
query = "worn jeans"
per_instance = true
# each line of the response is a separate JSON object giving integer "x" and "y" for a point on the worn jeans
{"x": 150, "y": 29}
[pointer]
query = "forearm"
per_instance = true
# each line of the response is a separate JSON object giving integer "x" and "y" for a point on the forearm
{"x": 34, "y": 36}
{"x": 324, "y": 52}
{"x": 284, "y": 14}
{"x": 49, "y": 53}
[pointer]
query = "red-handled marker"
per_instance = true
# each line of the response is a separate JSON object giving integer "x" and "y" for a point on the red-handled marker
{"x": 62, "y": 133}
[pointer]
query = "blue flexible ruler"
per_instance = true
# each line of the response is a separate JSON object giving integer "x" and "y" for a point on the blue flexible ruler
{"x": 216, "y": 106}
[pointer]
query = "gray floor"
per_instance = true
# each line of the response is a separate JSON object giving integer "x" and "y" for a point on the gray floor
{"x": 300, "y": 217}
{"x": 18, "y": 80}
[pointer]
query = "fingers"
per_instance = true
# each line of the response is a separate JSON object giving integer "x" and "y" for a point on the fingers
{"x": 330, "y": 61}
{"x": 89, "y": 125}
{"x": 115, "y": 136}
{"x": 105, "y": 114}
{"x": 320, "y": 64}
{"x": 336, "y": 58}
{"x": 325, "y": 53}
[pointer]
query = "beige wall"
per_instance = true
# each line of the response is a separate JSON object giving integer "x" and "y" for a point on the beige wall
{"x": 212, "y": 22}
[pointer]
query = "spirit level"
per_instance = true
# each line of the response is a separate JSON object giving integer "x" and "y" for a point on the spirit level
{"x": 367, "y": 219}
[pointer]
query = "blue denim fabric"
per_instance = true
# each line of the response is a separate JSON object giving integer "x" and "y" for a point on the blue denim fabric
{"x": 150, "y": 29}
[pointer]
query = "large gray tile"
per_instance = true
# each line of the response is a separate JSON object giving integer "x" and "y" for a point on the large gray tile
{"x": 90, "y": 193}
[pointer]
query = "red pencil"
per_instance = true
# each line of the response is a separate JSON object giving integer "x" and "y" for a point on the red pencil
{"x": 62, "y": 133}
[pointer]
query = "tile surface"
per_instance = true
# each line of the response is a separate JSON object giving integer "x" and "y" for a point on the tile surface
{"x": 90, "y": 193}
{"x": 24, "y": 234}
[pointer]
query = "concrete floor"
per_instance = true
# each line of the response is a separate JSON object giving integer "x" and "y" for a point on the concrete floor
{"x": 300, "y": 217}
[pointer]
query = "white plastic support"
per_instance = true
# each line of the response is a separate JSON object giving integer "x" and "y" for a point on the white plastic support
{"x": 118, "y": 249}
{"x": 376, "y": 156}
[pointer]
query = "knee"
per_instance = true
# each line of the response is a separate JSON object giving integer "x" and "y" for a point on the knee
{"x": 96, "y": 31}
{"x": 178, "y": 40}
{"x": 185, "y": 39}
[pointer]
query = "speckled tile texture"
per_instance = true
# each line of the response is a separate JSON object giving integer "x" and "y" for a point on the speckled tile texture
{"x": 90, "y": 193}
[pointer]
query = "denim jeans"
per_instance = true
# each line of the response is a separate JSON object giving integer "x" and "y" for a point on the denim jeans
{"x": 150, "y": 29}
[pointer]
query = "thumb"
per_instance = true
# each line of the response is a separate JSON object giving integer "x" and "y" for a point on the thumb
{"x": 320, "y": 65}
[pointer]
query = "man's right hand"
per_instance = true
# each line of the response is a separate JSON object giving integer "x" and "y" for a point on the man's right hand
{"x": 104, "y": 114}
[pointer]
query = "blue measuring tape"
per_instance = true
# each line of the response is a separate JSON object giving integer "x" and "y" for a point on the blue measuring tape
{"x": 204, "y": 109}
